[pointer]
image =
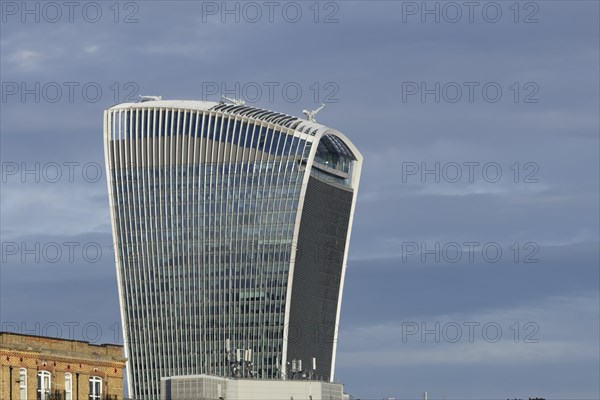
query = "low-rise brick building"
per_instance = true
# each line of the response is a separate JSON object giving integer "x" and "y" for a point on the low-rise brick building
{"x": 46, "y": 368}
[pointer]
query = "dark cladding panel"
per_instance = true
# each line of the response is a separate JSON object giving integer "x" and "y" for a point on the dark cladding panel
{"x": 317, "y": 275}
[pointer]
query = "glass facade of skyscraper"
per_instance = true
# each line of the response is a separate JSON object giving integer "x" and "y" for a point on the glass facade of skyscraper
{"x": 231, "y": 225}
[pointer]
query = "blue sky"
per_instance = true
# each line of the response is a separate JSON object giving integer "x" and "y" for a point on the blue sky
{"x": 500, "y": 99}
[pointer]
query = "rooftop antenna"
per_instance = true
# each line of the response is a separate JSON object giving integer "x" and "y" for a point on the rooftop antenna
{"x": 235, "y": 102}
{"x": 248, "y": 366}
{"x": 310, "y": 115}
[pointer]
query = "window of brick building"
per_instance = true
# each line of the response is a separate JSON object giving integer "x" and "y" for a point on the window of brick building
{"x": 43, "y": 386}
{"x": 22, "y": 384}
{"x": 95, "y": 388}
{"x": 68, "y": 386}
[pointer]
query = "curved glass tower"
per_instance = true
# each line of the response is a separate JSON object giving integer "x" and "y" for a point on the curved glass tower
{"x": 231, "y": 227}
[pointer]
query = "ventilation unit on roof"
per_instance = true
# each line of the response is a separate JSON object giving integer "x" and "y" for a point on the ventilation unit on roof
{"x": 143, "y": 99}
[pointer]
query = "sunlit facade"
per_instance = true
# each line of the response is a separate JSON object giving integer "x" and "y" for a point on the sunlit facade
{"x": 231, "y": 226}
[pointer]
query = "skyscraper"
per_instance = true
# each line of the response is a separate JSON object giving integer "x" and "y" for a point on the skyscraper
{"x": 231, "y": 227}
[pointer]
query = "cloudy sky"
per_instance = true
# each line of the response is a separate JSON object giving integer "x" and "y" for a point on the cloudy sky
{"x": 474, "y": 263}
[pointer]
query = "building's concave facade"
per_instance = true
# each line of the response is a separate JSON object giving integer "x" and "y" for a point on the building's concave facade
{"x": 231, "y": 225}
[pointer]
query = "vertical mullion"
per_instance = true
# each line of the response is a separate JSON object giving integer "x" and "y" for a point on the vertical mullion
{"x": 237, "y": 237}
{"x": 125, "y": 273}
{"x": 213, "y": 240}
{"x": 205, "y": 132}
{"x": 161, "y": 235}
{"x": 135, "y": 140}
{"x": 253, "y": 199}
{"x": 127, "y": 150}
{"x": 222, "y": 244}
{"x": 126, "y": 225}
{"x": 154, "y": 139}
{"x": 272, "y": 231}
{"x": 172, "y": 263}
{"x": 185, "y": 218}
{"x": 260, "y": 210}
{"x": 177, "y": 250}
{"x": 196, "y": 229}
{"x": 282, "y": 244}
{"x": 145, "y": 169}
